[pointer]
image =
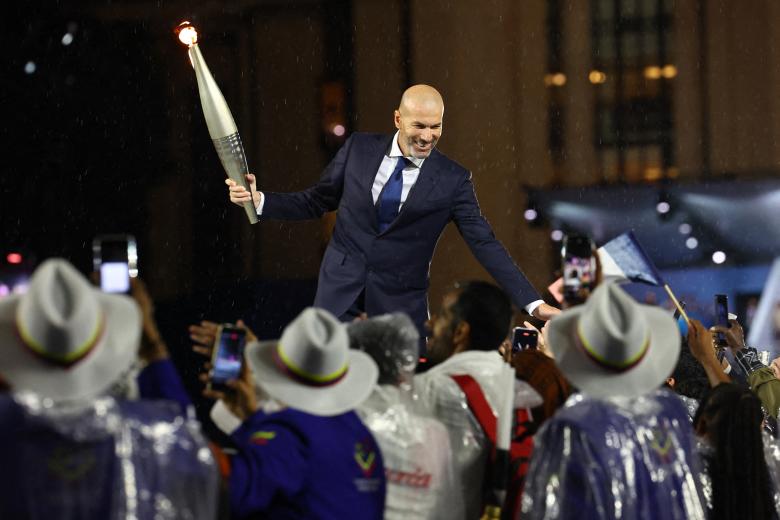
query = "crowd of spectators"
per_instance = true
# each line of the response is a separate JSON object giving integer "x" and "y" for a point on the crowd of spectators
{"x": 621, "y": 411}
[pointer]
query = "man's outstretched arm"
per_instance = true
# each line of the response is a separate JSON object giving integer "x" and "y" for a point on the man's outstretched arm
{"x": 479, "y": 236}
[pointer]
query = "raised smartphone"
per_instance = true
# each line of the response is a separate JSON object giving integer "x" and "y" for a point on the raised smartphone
{"x": 721, "y": 317}
{"x": 578, "y": 256}
{"x": 115, "y": 258}
{"x": 524, "y": 339}
{"x": 227, "y": 356}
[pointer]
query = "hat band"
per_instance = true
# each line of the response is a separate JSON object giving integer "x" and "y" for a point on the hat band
{"x": 296, "y": 373}
{"x": 616, "y": 367}
{"x": 69, "y": 358}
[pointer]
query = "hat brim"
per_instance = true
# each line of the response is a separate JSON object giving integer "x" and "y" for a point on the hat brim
{"x": 343, "y": 396}
{"x": 90, "y": 377}
{"x": 593, "y": 379}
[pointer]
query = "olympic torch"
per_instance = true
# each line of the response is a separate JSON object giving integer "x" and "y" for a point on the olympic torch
{"x": 219, "y": 119}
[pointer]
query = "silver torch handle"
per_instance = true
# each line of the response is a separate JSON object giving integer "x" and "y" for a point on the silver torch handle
{"x": 222, "y": 127}
{"x": 231, "y": 155}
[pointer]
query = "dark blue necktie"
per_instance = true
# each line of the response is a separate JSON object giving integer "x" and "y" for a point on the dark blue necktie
{"x": 390, "y": 197}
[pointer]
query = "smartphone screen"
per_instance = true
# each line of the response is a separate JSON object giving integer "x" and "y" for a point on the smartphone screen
{"x": 228, "y": 355}
{"x": 523, "y": 339}
{"x": 114, "y": 277}
{"x": 721, "y": 310}
{"x": 115, "y": 258}
{"x": 579, "y": 268}
{"x": 721, "y": 315}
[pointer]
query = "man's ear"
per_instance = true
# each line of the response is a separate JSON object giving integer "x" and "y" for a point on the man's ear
{"x": 397, "y": 119}
{"x": 461, "y": 338}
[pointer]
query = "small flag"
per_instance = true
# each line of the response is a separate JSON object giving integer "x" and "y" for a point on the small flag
{"x": 623, "y": 258}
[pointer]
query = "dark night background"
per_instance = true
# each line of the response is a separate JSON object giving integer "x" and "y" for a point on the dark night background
{"x": 106, "y": 135}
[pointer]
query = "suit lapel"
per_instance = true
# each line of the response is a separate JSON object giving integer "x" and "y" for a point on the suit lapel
{"x": 372, "y": 160}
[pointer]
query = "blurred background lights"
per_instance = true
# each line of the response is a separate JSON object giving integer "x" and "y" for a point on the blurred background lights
{"x": 597, "y": 77}
{"x": 4, "y": 290}
{"x": 339, "y": 130}
{"x": 530, "y": 214}
{"x": 29, "y": 67}
{"x": 556, "y": 235}
{"x": 67, "y": 39}
{"x": 652, "y": 72}
{"x": 663, "y": 207}
{"x": 691, "y": 243}
{"x": 718, "y": 257}
{"x": 557, "y": 79}
{"x": 14, "y": 258}
{"x": 685, "y": 228}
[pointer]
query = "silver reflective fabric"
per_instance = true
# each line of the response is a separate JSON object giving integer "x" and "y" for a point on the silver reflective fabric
{"x": 772, "y": 455}
{"x": 691, "y": 405}
{"x": 632, "y": 458}
{"x": 107, "y": 459}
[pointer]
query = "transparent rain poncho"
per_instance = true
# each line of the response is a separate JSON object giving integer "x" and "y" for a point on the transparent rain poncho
{"x": 421, "y": 482}
{"x": 438, "y": 393}
{"x": 630, "y": 458}
{"x": 109, "y": 459}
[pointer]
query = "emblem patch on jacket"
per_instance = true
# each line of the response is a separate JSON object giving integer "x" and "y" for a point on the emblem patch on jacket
{"x": 365, "y": 456}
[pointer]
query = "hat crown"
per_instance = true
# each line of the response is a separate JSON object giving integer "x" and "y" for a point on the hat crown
{"x": 315, "y": 346}
{"x": 612, "y": 329}
{"x": 60, "y": 315}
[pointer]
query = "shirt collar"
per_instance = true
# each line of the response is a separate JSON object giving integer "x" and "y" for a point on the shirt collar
{"x": 395, "y": 151}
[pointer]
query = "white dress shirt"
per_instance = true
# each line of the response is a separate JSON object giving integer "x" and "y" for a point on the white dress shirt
{"x": 411, "y": 172}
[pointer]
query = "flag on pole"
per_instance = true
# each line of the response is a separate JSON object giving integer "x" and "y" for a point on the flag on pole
{"x": 624, "y": 258}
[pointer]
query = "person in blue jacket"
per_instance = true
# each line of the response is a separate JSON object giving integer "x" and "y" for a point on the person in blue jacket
{"x": 311, "y": 457}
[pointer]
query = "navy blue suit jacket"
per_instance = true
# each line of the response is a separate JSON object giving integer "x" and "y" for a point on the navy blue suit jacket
{"x": 392, "y": 267}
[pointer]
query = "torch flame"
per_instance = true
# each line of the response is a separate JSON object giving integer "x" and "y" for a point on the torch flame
{"x": 187, "y": 33}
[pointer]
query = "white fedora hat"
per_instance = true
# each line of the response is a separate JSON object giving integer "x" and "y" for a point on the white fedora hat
{"x": 64, "y": 339}
{"x": 613, "y": 346}
{"x": 311, "y": 367}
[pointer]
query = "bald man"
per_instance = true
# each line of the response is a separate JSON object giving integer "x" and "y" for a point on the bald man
{"x": 394, "y": 196}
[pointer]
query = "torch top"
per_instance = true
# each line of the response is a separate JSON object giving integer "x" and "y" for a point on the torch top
{"x": 186, "y": 33}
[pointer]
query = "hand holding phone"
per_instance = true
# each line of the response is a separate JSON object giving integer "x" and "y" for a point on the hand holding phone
{"x": 524, "y": 339}
{"x": 227, "y": 356}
